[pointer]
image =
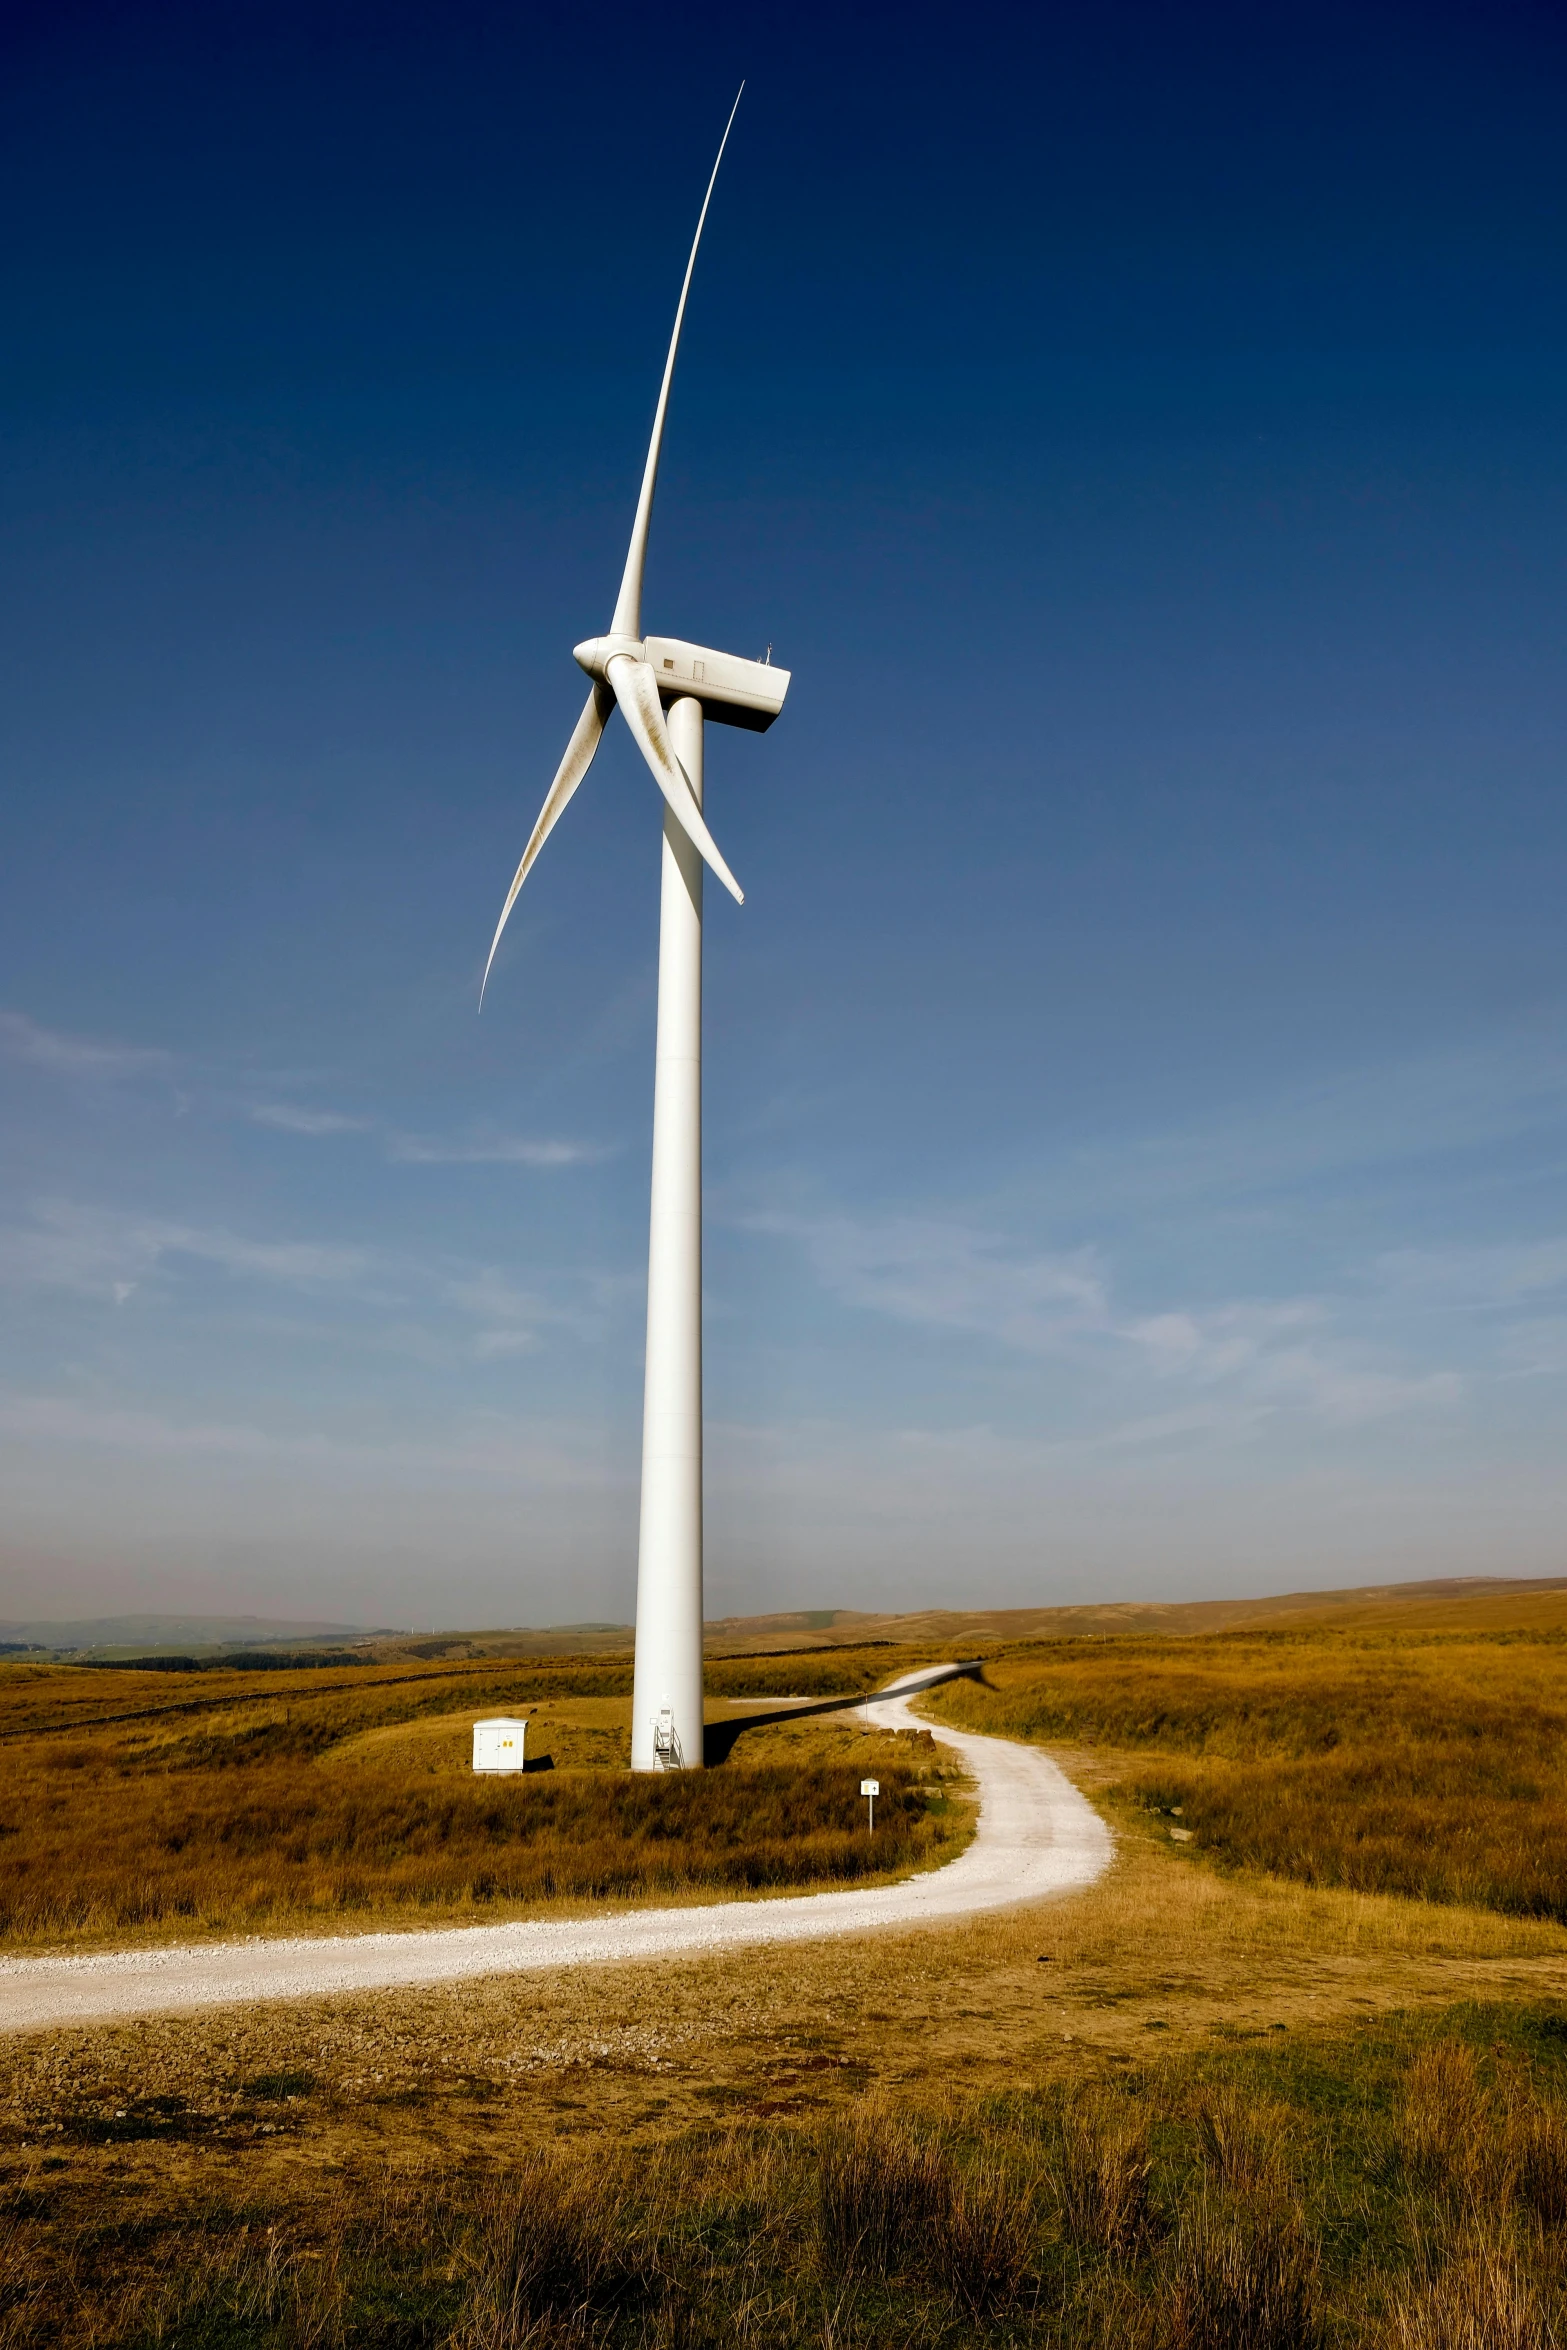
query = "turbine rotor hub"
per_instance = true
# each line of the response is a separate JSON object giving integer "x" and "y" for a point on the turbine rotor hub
{"x": 595, "y": 653}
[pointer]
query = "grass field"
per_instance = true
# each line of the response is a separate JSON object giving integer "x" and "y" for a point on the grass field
{"x": 137, "y": 1802}
{"x": 1257, "y": 2090}
{"x": 1223, "y": 2112}
{"x": 1427, "y": 1757}
{"x": 1183, "y": 2206}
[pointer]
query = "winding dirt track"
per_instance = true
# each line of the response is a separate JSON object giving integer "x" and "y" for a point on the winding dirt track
{"x": 1036, "y": 1836}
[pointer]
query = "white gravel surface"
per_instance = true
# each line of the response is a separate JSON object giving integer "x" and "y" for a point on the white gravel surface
{"x": 1036, "y": 1836}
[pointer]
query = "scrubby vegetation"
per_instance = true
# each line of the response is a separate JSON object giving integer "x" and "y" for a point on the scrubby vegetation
{"x": 1403, "y": 2190}
{"x": 1199, "y": 2108}
{"x": 1430, "y": 1763}
{"x": 289, "y": 1845}
{"x": 133, "y": 1800}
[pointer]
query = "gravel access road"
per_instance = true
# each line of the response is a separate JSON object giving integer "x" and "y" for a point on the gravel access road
{"x": 1036, "y": 1836}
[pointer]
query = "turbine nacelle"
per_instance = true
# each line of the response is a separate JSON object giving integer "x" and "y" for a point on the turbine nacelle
{"x": 732, "y": 690}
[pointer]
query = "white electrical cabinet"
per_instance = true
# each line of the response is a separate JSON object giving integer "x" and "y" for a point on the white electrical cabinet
{"x": 497, "y": 1744}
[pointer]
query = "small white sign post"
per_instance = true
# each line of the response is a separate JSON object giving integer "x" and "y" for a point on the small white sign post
{"x": 871, "y": 1788}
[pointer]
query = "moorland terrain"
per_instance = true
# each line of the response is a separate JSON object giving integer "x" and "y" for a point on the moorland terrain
{"x": 1294, "y": 2072}
{"x": 149, "y": 1801}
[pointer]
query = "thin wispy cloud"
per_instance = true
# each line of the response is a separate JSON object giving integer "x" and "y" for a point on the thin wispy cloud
{"x": 88, "y": 1059}
{"x": 1426, "y": 1109}
{"x": 22, "y": 1039}
{"x": 1280, "y": 1353}
{"x": 515, "y": 1317}
{"x": 544, "y": 1152}
{"x": 103, "y": 1252}
{"x": 952, "y": 1277}
{"x": 1483, "y": 1276}
{"x": 501, "y": 1150}
{"x": 433, "y": 1306}
{"x": 535, "y": 1452}
{"x": 1537, "y": 1348}
{"x": 289, "y": 1118}
{"x": 510, "y": 1316}
{"x": 63, "y": 1420}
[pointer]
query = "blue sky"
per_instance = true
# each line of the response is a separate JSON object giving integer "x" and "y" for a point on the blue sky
{"x": 1137, "y": 1080}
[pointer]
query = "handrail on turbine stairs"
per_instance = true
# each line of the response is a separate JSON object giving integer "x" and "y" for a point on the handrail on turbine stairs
{"x": 666, "y": 1740}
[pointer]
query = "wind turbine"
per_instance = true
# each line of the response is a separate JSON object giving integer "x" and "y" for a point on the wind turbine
{"x": 667, "y": 689}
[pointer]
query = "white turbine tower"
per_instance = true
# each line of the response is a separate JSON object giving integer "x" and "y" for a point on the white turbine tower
{"x": 666, "y": 688}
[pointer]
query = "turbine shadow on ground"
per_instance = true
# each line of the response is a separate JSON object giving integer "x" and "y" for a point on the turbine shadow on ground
{"x": 718, "y": 1738}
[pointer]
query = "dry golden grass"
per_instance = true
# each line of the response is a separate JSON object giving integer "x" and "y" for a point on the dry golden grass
{"x": 42, "y": 1699}
{"x": 708, "y": 2159}
{"x": 872, "y": 2220}
{"x": 139, "y": 1803}
{"x": 295, "y": 1846}
{"x": 1430, "y": 1762}
{"x": 1230, "y": 2107}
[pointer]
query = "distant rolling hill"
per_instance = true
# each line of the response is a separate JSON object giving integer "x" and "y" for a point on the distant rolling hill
{"x": 1456, "y": 1600}
{"x": 75, "y": 1636}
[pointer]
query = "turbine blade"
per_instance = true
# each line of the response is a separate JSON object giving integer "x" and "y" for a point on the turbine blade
{"x": 628, "y": 604}
{"x": 573, "y": 767}
{"x": 636, "y": 690}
